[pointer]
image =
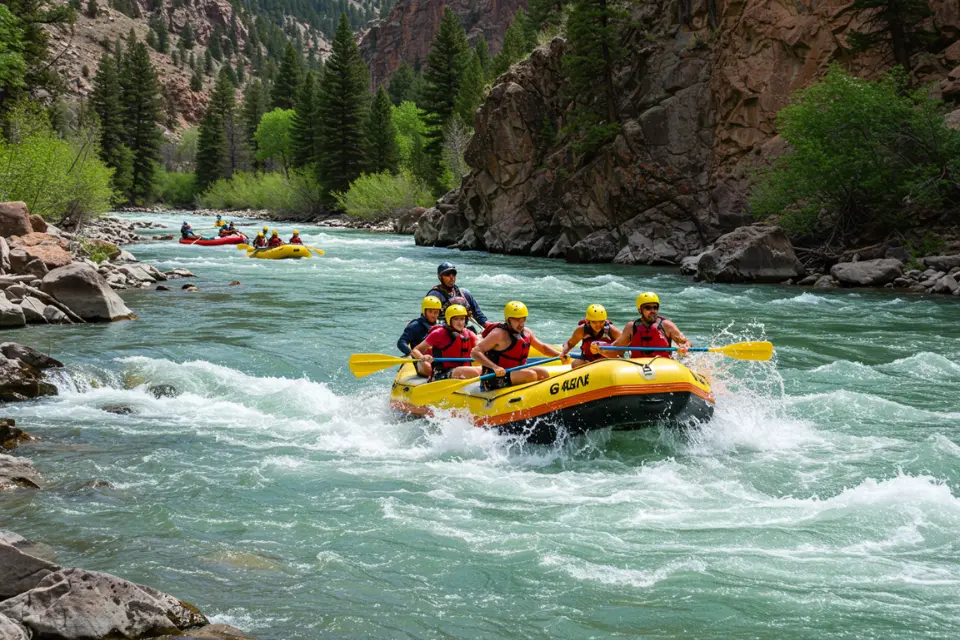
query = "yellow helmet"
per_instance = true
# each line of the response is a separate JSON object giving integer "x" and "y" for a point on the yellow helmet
{"x": 515, "y": 309}
{"x": 430, "y": 302}
{"x": 647, "y": 297}
{"x": 266, "y": 228}
{"x": 596, "y": 312}
{"x": 295, "y": 232}
{"x": 454, "y": 311}
{"x": 274, "y": 233}
{"x": 260, "y": 235}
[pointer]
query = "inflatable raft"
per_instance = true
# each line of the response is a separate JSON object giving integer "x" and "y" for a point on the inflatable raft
{"x": 619, "y": 393}
{"x": 213, "y": 242}
{"x": 280, "y": 253}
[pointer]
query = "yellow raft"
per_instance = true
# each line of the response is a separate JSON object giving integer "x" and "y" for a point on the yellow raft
{"x": 293, "y": 251}
{"x": 619, "y": 393}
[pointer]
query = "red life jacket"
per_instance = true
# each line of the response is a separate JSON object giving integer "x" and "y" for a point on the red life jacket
{"x": 295, "y": 240}
{"x": 514, "y": 355}
{"x": 260, "y": 242}
{"x": 589, "y": 338}
{"x": 459, "y": 346}
{"x": 652, "y": 336}
{"x": 275, "y": 242}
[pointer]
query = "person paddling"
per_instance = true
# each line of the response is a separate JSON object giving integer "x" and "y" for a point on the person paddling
{"x": 417, "y": 329}
{"x": 447, "y": 290}
{"x": 507, "y": 344}
{"x": 219, "y": 222}
{"x": 260, "y": 241}
{"x": 451, "y": 340}
{"x": 186, "y": 232}
{"x": 295, "y": 238}
{"x": 275, "y": 240}
{"x": 594, "y": 328}
{"x": 649, "y": 330}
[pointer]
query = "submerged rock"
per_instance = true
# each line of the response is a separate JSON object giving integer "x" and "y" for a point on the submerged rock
{"x": 164, "y": 391}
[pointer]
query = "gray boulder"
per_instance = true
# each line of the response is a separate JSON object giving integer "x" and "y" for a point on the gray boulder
{"x": 20, "y": 571}
{"x": 750, "y": 254}
{"x": 17, "y": 472}
{"x": 86, "y": 293}
{"x": 19, "y": 381}
{"x": 942, "y": 263}
{"x": 867, "y": 273}
{"x": 36, "y": 267}
{"x": 28, "y": 355}
{"x": 74, "y": 604}
{"x": 10, "y": 630}
{"x": 947, "y": 284}
{"x": 31, "y": 547}
{"x": 33, "y": 310}
{"x": 4, "y": 256}
{"x": 11, "y": 315}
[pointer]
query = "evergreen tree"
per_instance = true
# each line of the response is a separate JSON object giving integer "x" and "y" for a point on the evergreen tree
{"x": 545, "y": 14}
{"x": 187, "y": 38}
{"x": 382, "y": 151}
{"x": 896, "y": 24}
{"x": 471, "y": 90}
{"x": 152, "y": 40}
{"x": 241, "y": 73}
{"x": 341, "y": 113}
{"x": 231, "y": 75}
{"x": 401, "y": 82}
{"x": 93, "y": 9}
{"x": 207, "y": 63}
{"x": 193, "y": 62}
{"x": 213, "y": 46}
{"x": 515, "y": 44}
{"x": 196, "y": 82}
{"x": 302, "y": 134}
{"x": 23, "y": 45}
{"x": 107, "y": 101}
{"x": 483, "y": 54}
{"x": 211, "y": 150}
{"x": 288, "y": 80}
{"x": 163, "y": 36}
{"x": 141, "y": 99}
{"x": 254, "y": 106}
{"x": 445, "y": 66}
{"x": 223, "y": 101}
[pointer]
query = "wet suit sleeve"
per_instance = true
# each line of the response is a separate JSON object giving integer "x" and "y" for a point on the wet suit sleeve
{"x": 477, "y": 314}
{"x": 412, "y": 336}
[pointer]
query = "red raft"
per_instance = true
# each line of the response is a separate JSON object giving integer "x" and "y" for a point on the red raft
{"x": 212, "y": 242}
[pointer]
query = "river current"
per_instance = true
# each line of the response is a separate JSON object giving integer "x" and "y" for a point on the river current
{"x": 279, "y": 494}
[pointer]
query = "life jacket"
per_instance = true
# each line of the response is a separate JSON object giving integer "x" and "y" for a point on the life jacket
{"x": 260, "y": 242}
{"x": 589, "y": 338}
{"x": 295, "y": 240}
{"x": 652, "y": 336}
{"x": 514, "y": 355}
{"x": 224, "y": 232}
{"x": 459, "y": 346}
{"x": 275, "y": 242}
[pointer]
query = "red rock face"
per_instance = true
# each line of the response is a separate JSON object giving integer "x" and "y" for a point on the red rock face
{"x": 408, "y": 31}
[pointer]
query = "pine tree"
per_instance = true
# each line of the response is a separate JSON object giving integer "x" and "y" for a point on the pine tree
{"x": 213, "y": 46}
{"x": 545, "y": 14}
{"x": 254, "y": 106}
{"x": 152, "y": 40}
{"x": 163, "y": 36}
{"x": 207, "y": 63}
{"x": 341, "y": 113}
{"x": 401, "y": 83}
{"x": 302, "y": 134}
{"x": 445, "y": 66}
{"x": 141, "y": 99}
{"x": 93, "y": 9}
{"x": 107, "y": 101}
{"x": 223, "y": 101}
{"x": 186, "y": 37}
{"x": 196, "y": 82}
{"x": 515, "y": 44}
{"x": 483, "y": 54}
{"x": 193, "y": 62}
{"x": 382, "y": 151}
{"x": 211, "y": 150}
{"x": 471, "y": 90}
{"x": 288, "y": 80}
{"x": 241, "y": 73}
{"x": 896, "y": 24}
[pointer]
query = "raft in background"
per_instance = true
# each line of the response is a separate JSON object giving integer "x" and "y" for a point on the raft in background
{"x": 620, "y": 393}
{"x": 287, "y": 251}
{"x": 213, "y": 242}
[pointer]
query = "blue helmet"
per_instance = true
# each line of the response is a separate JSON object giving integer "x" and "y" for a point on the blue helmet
{"x": 445, "y": 267}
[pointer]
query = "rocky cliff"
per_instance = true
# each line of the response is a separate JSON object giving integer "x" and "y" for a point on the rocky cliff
{"x": 699, "y": 92}
{"x": 407, "y": 32}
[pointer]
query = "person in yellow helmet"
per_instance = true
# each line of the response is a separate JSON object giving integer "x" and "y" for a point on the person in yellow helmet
{"x": 506, "y": 345}
{"x": 260, "y": 241}
{"x": 649, "y": 330}
{"x": 594, "y": 328}
{"x": 275, "y": 240}
{"x": 295, "y": 238}
{"x": 450, "y": 340}
{"x": 417, "y": 329}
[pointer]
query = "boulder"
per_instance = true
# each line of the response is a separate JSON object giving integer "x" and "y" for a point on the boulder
{"x": 4, "y": 256}
{"x": 33, "y": 310}
{"x": 826, "y": 282}
{"x": 126, "y": 256}
{"x": 28, "y": 355}
{"x": 10, "y": 630}
{"x": 750, "y": 254}
{"x": 10, "y": 438}
{"x": 35, "y": 549}
{"x": 14, "y": 219}
{"x": 18, "y": 260}
{"x": 50, "y": 250}
{"x": 17, "y": 472}
{"x": 20, "y": 571}
{"x": 212, "y": 632}
{"x": 867, "y": 273}
{"x": 136, "y": 272}
{"x": 86, "y": 293}
{"x": 38, "y": 223}
{"x": 942, "y": 263}
{"x": 55, "y": 316}
{"x": 75, "y": 604}
{"x": 688, "y": 266}
{"x": 36, "y": 267}
{"x": 406, "y": 222}
{"x": 599, "y": 246}
{"x": 947, "y": 284}
{"x": 11, "y": 315}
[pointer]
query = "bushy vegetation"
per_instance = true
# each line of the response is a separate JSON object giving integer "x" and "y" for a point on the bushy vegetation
{"x": 177, "y": 189}
{"x": 57, "y": 177}
{"x": 378, "y": 195}
{"x": 271, "y": 191}
{"x": 865, "y": 157}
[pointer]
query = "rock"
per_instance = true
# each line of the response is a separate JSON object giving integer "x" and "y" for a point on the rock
{"x": 212, "y": 632}
{"x": 750, "y": 254}
{"x": 11, "y": 436}
{"x": 136, "y": 272}
{"x": 35, "y": 549}
{"x": 809, "y": 280}
{"x": 86, "y": 293}
{"x": 947, "y": 284}
{"x": 75, "y": 604}
{"x": 10, "y": 630}
{"x": 10, "y": 280}
{"x": 688, "y": 266}
{"x": 11, "y": 315}
{"x": 126, "y": 256}
{"x": 164, "y": 391}
{"x": 110, "y": 250}
{"x": 38, "y": 223}
{"x": 406, "y": 223}
{"x": 163, "y": 287}
{"x": 235, "y": 283}
{"x": 867, "y": 273}
{"x": 14, "y": 219}
{"x": 189, "y": 287}
{"x": 14, "y": 473}
{"x": 599, "y": 246}
{"x": 4, "y": 256}
{"x": 826, "y": 282}
{"x": 180, "y": 273}
{"x": 33, "y": 310}
{"x": 942, "y": 263}
{"x": 36, "y": 267}
{"x": 52, "y": 251}
{"x": 55, "y": 316}
{"x": 897, "y": 253}
{"x": 168, "y": 236}
{"x": 19, "y": 571}
{"x": 18, "y": 260}
{"x": 118, "y": 409}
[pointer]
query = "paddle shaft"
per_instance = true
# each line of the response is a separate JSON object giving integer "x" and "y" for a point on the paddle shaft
{"x": 605, "y": 348}
{"x": 522, "y": 366}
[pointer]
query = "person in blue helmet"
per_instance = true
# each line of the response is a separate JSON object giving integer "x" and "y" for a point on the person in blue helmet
{"x": 186, "y": 232}
{"x": 449, "y": 293}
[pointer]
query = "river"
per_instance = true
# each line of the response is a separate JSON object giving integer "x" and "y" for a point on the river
{"x": 279, "y": 494}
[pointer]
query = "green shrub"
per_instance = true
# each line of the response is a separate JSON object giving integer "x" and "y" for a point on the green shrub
{"x": 96, "y": 252}
{"x": 271, "y": 191}
{"x": 177, "y": 189}
{"x": 56, "y": 177}
{"x": 865, "y": 157}
{"x": 378, "y": 195}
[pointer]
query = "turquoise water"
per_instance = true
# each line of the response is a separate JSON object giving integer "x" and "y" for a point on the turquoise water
{"x": 279, "y": 494}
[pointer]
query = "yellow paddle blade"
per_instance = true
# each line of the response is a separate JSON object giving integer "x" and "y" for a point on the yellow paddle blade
{"x": 746, "y": 350}
{"x": 319, "y": 252}
{"x": 244, "y": 247}
{"x": 363, "y": 364}
{"x": 431, "y": 392}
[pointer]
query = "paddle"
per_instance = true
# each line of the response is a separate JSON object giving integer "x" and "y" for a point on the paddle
{"x": 433, "y": 391}
{"x": 319, "y": 252}
{"x": 363, "y": 364}
{"x": 739, "y": 350}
